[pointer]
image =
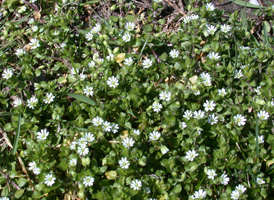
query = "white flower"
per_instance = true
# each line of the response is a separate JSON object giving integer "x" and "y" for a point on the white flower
{"x": 73, "y": 145}
{"x": 82, "y": 76}
{"x": 260, "y": 181}
{"x": 165, "y": 96}
{"x": 49, "y": 98}
{"x": 222, "y": 92}
{"x": 210, "y": 7}
{"x": 191, "y": 154}
{"x": 88, "y": 181}
{"x": 211, "y": 174}
{"x": 7, "y": 74}
{"x": 73, "y": 162}
{"x": 164, "y": 149}
{"x": 174, "y": 53}
{"x": 200, "y": 194}
{"x": 260, "y": 139}
{"x": 32, "y": 102}
{"x": 82, "y": 142}
{"x": 158, "y": 1}
{"x": 97, "y": 121}
{"x": 20, "y": 52}
{"x": 63, "y": 44}
{"x": 124, "y": 164}
{"x": 191, "y": 197}
{"x": 199, "y": 114}
{"x": 91, "y": 64}
{"x": 182, "y": 125}
{"x": 187, "y": 114}
{"x": 196, "y": 92}
{"x": 56, "y": 32}
{"x": 49, "y": 180}
{"x": 32, "y": 165}
{"x": 112, "y": 82}
{"x": 88, "y": 91}
{"x": 34, "y": 28}
{"x": 136, "y": 132}
{"x": 4, "y": 198}
{"x": 126, "y": 37}
{"x": 110, "y": 57}
{"x": 194, "y": 17}
{"x": 244, "y": 48}
{"x": 225, "y": 28}
{"x": 239, "y": 120}
{"x": 97, "y": 28}
{"x": 130, "y": 26}
{"x": 147, "y": 63}
{"x": 235, "y": 195}
{"x": 209, "y": 105}
{"x": 257, "y": 90}
{"x": 128, "y": 142}
{"x": 224, "y": 179}
{"x": 43, "y": 134}
{"x": 212, "y": 119}
{"x": 187, "y": 19}
{"x": 155, "y": 135}
{"x": 17, "y": 102}
{"x": 36, "y": 170}
{"x": 204, "y": 76}
{"x": 31, "y": 21}
{"x": 82, "y": 150}
{"x": 255, "y": 2}
{"x": 211, "y": 29}
{"x": 128, "y": 61}
{"x": 213, "y": 56}
{"x": 263, "y": 115}
{"x": 106, "y": 126}
{"x": 22, "y": 9}
{"x": 99, "y": 61}
{"x": 238, "y": 74}
{"x": 89, "y": 137}
{"x": 114, "y": 128}
{"x": 136, "y": 184}
{"x": 241, "y": 189}
{"x": 157, "y": 107}
{"x": 89, "y": 36}
{"x": 32, "y": 1}
{"x": 34, "y": 43}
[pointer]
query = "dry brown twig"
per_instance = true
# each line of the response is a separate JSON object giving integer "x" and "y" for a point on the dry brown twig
{"x": 175, "y": 7}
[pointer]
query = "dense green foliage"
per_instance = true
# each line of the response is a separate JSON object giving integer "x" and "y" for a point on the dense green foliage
{"x": 118, "y": 108}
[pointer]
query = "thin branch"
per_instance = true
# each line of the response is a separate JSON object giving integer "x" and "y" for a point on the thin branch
{"x": 33, "y": 6}
{"x": 175, "y": 7}
{"x": 8, "y": 180}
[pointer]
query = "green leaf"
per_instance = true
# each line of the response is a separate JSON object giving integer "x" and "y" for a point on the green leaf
{"x": 19, "y": 193}
{"x": 7, "y": 114}
{"x": 130, "y": 18}
{"x": 63, "y": 165}
{"x": 22, "y": 181}
{"x": 82, "y": 98}
{"x": 15, "y": 144}
{"x": 128, "y": 125}
{"x": 177, "y": 189}
{"x": 246, "y": 4}
{"x": 111, "y": 175}
{"x": 36, "y": 194}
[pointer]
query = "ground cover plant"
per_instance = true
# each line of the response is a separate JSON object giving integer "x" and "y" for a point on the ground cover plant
{"x": 127, "y": 100}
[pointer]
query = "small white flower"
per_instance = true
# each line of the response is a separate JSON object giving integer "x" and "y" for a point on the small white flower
{"x": 136, "y": 184}
{"x": 257, "y": 90}
{"x": 241, "y": 189}
{"x": 136, "y": 132}
{"x": 204, "y": 76}
{"x": 110, "y": 57}
{"x": 32, "y": 1}
{"x": 112, "y": 82}
{"x": 182, "y": 125}
{"x": 263, "y": 115}
{"x": 155, "y": 135}
{"x": 174, "y": 53}
{"x": 222, "y": 92}
{"x": 31, "y": 21}
{"x": 73, "y": 145}
{"x": 213, "y": 119}
{"x": 165, "y": 96}
{"x": 36, "y": 170}
{"x": 128, "y": 61}
{"x": 255, "y": 2}
{"x": 17, "y": 102}
{"x": 88, "y": 91}
{"x": 187, "y": 19}
{"x": 238, "y": 74}
{"x": 200, "y": 194}
{"x": 114, "y": 128}
{"x": 128, "y": 142}
{"x": 32, "y": 165}
{"x": 91, "y": 64}
{"x": 244, "y": 48}
{"x": 49, "y": 180}
{"x": 191, "y": 154}
{"x": 194, "y": 17}
{"x": 199, "y": 114}
{"x": 210, "y": 7}
{"x": 82, "y": 142}
{"x": 130, "y": 26}
{"x": 164, "y": 149}
{"x": 260, "y": 139}
{"x": 73, "y": 162}
{"x": 235, "y": 195}
{"x": 225, "y": 28}
{"x": 191, "y": 197}
{"x": 126, "y": 37}
{"x": 147, "y": 63}
{"x": 43, "y": 134}
{"x": 99, "y": 61}
{"x": 32, "y": 102}
{"x": 20, "y": 52}
{"x": 56, "y": 32}
{"x": 240, "y": 120}
{"x": 211, "y": 174}
{"x": 97, "y": 28}
{"x": 34, "y": 28}
{"x": 97, "y": 121}
{"x": 106, "y": 126}
{"x": 49, "y": 98}
{"x": 7, "y": 74}
{"x": 89, "y": 137}
{"x": 82, "y": 150}
{"x": 34, "y": 43}
{"x": 158, "y": 1}
{"x": 211, "y": 29}
{"x": 213, "y": 56}
{"x": 187, "y": 114}
{"x": 224, "y": 179}
{"x": 4, "y": 198}
{"x": 157, "y": 107}
{"x": 88, "y": 181}
{"x": 63, "y": 45}
{"x": 82, "y": 76}
{"x": 124, "y": 164}
{"x": 260, "y": 181}
{"x": 209, "y": 105}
